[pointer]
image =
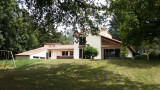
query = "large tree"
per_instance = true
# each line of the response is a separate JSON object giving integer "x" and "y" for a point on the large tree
{"x": 139, "y": 20}
{"x": 83, "y": 14}
{"x": 19, "y": 32}
{"x": 114, "y": 28}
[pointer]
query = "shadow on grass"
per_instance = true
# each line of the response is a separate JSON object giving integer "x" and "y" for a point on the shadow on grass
{"x": 135, "y": 63}
{"x": 68, "y": 77}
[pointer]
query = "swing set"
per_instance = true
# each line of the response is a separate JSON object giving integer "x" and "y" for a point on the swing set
{"x": 7, "y": 55}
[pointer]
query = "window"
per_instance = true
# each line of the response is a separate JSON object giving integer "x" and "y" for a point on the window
{"x": 49, "y": 53}
{"x": 64, "y": 53}
{"x": 111, "y": 53}
{"x": 42, "y": 57}
{"x": 36, "y": 57}
{"x": 117, "y": 52}
{"x": 71, "y": 53}
{"x": 82, "y": 40}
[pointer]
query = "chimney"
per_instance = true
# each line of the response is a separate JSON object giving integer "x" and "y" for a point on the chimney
{"x": 104, "y": 32}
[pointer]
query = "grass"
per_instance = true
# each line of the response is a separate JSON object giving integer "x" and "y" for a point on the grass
{"x": 19, "y": 63}
{"x": 83, "y": 74}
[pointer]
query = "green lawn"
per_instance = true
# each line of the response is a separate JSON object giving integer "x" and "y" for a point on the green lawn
{"x": 82, "y": 74}
{"x": 19, "y": 63}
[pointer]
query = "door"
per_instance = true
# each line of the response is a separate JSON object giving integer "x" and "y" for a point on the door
{"x": 46, "y": 55}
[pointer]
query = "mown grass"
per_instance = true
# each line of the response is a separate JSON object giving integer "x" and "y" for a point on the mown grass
{"x": 19, "y": 63}
{"x": 83, "y": 75}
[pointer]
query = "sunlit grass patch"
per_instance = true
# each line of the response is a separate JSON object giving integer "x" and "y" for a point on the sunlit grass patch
{"x": 83, "y": 74}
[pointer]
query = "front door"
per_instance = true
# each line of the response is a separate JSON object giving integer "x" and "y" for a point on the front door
{"x": 81, "y": 53}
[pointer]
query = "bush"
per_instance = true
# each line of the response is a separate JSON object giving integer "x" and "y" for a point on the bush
{"x": 90, "y": 52}
{"x": 137, "y": 57}
{"x": 144, "y": 56}
{"x": 124, "y": 51}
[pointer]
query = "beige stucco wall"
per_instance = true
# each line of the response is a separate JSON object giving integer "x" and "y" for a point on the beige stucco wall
{"x": 102, "y": 53}
{"x": 94, "y": 41}
{"x": 55, "y": 53}
{"x": 22, "y": 57}
{"x": 40, "y": 54}
{"x": 76, "y": 50}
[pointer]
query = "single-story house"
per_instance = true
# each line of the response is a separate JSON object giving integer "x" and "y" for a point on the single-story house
{"x": 106, "y": 45}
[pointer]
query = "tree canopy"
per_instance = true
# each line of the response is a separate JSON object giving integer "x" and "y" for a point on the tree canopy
{"x": 138, "y": 20}
{"x": 82, "y": 14}
{"x": 36, "y": 22}
{"x": 19, "y": 32}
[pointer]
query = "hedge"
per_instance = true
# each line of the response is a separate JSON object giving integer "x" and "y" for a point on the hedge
{"x": 144, "y": 56}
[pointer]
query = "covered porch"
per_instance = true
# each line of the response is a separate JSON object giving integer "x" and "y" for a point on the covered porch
{"x": 110, "y": 48}
{"x": 60, "y": 54}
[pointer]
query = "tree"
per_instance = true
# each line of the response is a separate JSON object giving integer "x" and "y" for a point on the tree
{"x": 138, "y": 19}
{"x": 153, "y": 49}
{"x": 90, "y": 52}
{"x": 124, "y": 51}
{"x": 19, "y": 32}
{"x": 1, "y": 40}
{"x": 83, "y": 14}
{"x": 114, "y": 28}
{"x": 70, "y": 38}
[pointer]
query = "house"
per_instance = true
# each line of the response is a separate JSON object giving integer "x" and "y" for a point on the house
{"x": 106, "y": 45}
{"x": 39, "y": 53}
{"x": 49, "y": 51}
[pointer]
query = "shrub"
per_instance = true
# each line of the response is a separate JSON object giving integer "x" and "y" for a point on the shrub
{"x": 124, "y": 51}
{"x": 137, "y": 57}
{"x": 90, "y": 52}
{"x": 145, "y": 56}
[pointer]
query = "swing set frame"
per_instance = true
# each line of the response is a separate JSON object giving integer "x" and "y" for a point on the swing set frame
{"x": 5, "y": 54}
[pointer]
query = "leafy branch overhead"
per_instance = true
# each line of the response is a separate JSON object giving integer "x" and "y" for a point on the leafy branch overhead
{"x": 81, "y": 13}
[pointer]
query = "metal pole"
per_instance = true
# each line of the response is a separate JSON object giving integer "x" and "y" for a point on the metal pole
{"x": 13, "y": 60}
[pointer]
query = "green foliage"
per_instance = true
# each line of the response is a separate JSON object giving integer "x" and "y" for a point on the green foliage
{"x": 19, "y": 32}
{"x": 153, "y": 49}
{"x": 144, "y": 56}
{"x": 137, "y": 57}
{"x": 138, "y": 20}
{"x": 1, "y": 40}
{"x": 114, "y": 29}
{"x": 90, "y": 52}
{"x": 66, "y": 12}
{"x": 124, "y": 51}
